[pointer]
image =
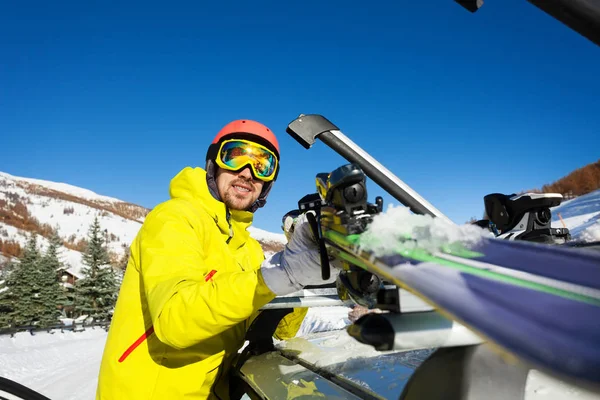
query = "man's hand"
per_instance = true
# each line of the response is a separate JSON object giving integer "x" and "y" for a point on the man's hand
{"x": 299, "y": 264}
{"x": 358, "y": 311}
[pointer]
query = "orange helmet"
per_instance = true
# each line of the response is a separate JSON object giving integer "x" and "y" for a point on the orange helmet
{"x": 244, "y": 129}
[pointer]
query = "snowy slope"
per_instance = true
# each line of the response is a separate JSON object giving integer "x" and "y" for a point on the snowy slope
{"x": 581, "y": 215}
{"x": 62, "y": 366}
{"x": 62, "y": 187}
{"x": 69, "y": 211}
{"x": 265, "y": 236}
{"x": 270, "y": 242}
{"x": 69, "y": 257}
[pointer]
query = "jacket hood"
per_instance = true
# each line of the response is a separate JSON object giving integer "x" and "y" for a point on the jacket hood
{"x": 190, "y": 184}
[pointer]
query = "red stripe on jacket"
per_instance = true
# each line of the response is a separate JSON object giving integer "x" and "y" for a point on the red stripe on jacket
{"x": 150, "y": 330}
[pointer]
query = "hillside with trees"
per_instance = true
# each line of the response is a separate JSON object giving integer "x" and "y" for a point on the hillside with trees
{"x": 577, "y": 183}
{"x": 582, "y": 181}
{"x": 31, "y": 293}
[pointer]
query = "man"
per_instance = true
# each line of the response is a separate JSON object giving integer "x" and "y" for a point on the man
{"x": 195, "y": 279}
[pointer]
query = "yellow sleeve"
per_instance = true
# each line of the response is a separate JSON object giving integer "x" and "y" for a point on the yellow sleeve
{"x": 288, "y": 327}
{"x": 184, "y": 307}
{"x": 290, "y": 324}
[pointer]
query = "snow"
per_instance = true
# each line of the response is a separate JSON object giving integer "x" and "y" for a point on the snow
{"x": 62, "y": 187}
{"x": 591, "y": 231}
{"x": 51, "y": 211}
{"x": 574, "y": 222}
{"x": 584, "y": 228}
{"x": 78, "y": 223}
{"x": 70, "y": 258}
{"x": 581, "y": 216}
{"x": 398, "y": 222}
{"x": 582, "y": 205}
{"x": 265, "y": 236}
{"x": 58, "y": 365}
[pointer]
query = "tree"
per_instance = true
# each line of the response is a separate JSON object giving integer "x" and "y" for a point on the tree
{"x": 22, "y": 288}
{"x": 579, "y": 182}
{"x": 6, "y": 305}
{"x": 588, "y": 181}
{"x": 96, "y": 292}
{"x": 51, "y": 295}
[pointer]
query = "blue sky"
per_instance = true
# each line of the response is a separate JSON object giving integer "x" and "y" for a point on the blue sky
{"x": 118, "y": 97}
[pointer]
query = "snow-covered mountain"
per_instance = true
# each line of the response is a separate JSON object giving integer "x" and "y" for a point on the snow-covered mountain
{"x": 45, "y": 208}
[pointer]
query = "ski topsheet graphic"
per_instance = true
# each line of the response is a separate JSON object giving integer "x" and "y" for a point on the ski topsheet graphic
{"x": 536, "y": 302}
{"x": 552, "y": 324}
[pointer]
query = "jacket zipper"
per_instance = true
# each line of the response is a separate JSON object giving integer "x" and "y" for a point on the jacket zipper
{"x": 228, "y": 217}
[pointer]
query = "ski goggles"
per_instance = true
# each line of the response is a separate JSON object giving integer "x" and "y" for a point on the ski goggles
{"x": 235, "y": 154}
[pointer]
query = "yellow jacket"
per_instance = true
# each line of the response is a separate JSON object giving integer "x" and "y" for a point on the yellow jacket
{"x": 192, "y": 286}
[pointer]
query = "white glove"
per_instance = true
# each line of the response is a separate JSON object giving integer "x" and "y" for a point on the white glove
{"x": 298, "y": 264}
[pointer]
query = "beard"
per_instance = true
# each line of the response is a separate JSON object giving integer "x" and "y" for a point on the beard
{"x": 237, "y": 201}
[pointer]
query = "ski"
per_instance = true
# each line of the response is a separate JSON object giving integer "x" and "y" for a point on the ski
{"x": 534, "y": 302}
{"x": 551, "y": 328}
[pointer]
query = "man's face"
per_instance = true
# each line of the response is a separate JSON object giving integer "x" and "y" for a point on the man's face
{"x": 238, "y": 189}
